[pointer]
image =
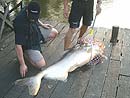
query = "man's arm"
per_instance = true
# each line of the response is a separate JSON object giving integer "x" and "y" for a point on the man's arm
{"x": 99, "y": 2}
{"x": 66, "y": 8}
{"x": 23, "y": 67}
{"x": 47, "y": 26}
{"x": 98, "y": 7}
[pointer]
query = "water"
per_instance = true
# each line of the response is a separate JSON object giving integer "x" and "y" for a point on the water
{"x": 114, "y": 12}
{"x": 52, "y": 9}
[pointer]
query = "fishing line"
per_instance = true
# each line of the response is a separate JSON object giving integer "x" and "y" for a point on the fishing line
{"x": 92, "y": 35}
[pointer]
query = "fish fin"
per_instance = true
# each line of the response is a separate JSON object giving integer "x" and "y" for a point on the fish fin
{"x": 33, "y": 84}
{"x": 22, "y": 82}
{"x": 105, "y": 57}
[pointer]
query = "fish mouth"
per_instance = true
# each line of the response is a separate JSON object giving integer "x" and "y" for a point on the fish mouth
{"x": 87, "y": 43}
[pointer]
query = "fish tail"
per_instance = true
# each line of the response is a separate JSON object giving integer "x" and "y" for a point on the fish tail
{"x": 33, "y": 84}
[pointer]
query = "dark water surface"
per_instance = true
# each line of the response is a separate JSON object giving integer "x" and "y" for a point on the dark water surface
{"x": 52, "y": 9}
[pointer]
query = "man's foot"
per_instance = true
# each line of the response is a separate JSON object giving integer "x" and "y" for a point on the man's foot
{"x": 67, "y": 48}
{"x": 81, "y": 41}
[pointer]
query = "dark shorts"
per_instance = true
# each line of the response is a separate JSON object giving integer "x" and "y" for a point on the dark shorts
{"x": 81, "y": 9}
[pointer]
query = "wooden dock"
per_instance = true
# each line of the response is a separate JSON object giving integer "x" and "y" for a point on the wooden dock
{"x": 111, "y": 79}
{"x": 4, "y": 16}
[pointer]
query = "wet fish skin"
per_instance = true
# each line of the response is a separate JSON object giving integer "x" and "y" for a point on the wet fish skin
{"x": 75, "y": 58}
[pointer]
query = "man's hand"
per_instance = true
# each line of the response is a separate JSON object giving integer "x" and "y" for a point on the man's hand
{"x": 66, "y": 14}
{"x": 98, "y": 9}
{"x": 23, "y": 70}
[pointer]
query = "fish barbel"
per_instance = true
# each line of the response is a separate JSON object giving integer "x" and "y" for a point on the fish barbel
{"x": 77, "y": 57}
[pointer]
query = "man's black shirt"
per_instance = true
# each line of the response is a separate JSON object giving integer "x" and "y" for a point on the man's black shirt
{"x": 27, "y": 33}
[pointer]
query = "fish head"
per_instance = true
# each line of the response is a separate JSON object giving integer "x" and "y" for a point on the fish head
{"x": 95, "y": 44}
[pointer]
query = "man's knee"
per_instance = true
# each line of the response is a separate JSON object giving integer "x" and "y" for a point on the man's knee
{"x": 40, "y": 64}
{"x": 53, "y": 33}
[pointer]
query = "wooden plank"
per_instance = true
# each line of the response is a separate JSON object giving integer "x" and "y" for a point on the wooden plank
{"x": 6, "y": 49}
{"x": 8, "y": 58}
{"x": 15, "y": 7}
{"x": 80, "y": 83}
{"x": 99, "y": 32}
{"x": 125, "y": 69}
{"x": 63, "y": 89}
{"x": 52, "y": 58}
{"x": 111, "y": 81}
{"x": 6, "y": 39}
{"x": 48, "y": 88}
{"x": 7, "y": 1}
{"x": 48, "y": 52}
{"x": 7, "y": 21}
{"x": 8, "y": 76}
{"x": 3, "y": 3}
{"x": 116, "y": 51}
{"x": 94, "y": 88}
{"x": 25, "y": 93}
{"x": 77, "y": 89}
{"x": 3, "y": 21}
{"x": 45, "y": 90}
{"x": 15, "y": 92}
{"x": 97, "y": 79}
{"x": 78, "y": 86}
{"x": 124, "y": 87}
{"x": 58, "y": 49}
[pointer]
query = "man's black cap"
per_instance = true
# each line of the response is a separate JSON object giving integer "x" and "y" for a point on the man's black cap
{"x": 33, "y": 10}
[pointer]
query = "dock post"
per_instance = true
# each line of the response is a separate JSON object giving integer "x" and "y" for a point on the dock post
{"x": 115, "y": 30}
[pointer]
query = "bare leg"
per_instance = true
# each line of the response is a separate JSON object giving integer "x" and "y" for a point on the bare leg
{"x": 68, "y": 38}
{"x": 83, "y": 29}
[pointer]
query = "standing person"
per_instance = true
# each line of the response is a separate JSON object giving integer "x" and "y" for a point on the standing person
{"x": 28, "y": 36}
{"x": 79, "y": 9}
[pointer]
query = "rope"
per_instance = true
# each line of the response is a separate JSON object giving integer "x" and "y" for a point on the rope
{"x": 92, "y": 33}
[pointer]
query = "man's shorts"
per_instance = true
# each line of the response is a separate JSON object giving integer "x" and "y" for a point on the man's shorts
{"x": 33, "y": 55}
{"x": 79, "y": 9}
{"x": 45, "y": 33}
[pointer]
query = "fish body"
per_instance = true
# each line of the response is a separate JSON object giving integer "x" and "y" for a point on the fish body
{"x": 77, "y": 57}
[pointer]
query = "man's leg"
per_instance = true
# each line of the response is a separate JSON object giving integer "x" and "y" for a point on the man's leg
{"x": 74, "y": 21}
{"x": 68, "y": 38}
{"x": 35, "y": 58}
{"x": 48, "y": 34}
{"x": 83, "y": 29}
